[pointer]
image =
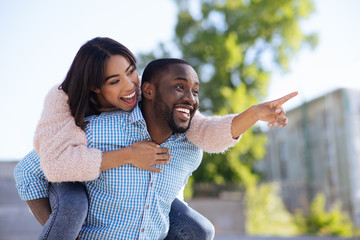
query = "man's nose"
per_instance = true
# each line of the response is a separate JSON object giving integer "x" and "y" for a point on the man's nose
{"x": 189, "y": 97}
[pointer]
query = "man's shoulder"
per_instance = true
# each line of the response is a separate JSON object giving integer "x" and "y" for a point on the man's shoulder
{"x": 117, "y": 114}
{"x": 113, "y": 121}
{"x": 181, "y": 141}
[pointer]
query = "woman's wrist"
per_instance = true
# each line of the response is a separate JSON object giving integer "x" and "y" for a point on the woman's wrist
{"x": 116, "y": 158}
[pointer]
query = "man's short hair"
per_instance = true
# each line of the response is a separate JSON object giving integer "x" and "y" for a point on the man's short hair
{"x": 154, "y": 68}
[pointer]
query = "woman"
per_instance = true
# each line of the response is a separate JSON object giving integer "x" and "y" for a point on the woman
{"x": 61, "y": 143}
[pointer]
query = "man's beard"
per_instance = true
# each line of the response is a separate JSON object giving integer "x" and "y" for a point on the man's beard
{"x": 168, "y": 114}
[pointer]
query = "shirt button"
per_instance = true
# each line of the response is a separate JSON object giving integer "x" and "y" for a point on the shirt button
{"x": 151, "y": 184}
{"x": 147, "y": 207}
{"x": 143, "y": 230}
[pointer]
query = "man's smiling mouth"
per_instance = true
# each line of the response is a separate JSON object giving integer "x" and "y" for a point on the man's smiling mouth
{"x": 183, "y": 112}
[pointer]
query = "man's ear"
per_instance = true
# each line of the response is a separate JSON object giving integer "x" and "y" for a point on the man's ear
{"x": 148, "y": 90}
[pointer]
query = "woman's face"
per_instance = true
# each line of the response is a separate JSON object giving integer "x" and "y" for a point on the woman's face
{"x": 121, "y": 84}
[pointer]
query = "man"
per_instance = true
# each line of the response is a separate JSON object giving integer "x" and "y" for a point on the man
{"x": 134, "y": 203}
{"x": 130, "y": 203}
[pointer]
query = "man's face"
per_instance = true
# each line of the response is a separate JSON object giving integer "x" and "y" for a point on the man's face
{"x": 176, "y": 97}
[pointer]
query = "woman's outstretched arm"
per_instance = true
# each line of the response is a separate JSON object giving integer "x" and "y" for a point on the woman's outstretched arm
{"x": 212, "y": 134}
{"x": 216, "y": 134}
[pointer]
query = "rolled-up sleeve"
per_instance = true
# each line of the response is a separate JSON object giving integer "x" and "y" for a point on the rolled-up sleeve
{"x": 30, "y": 180}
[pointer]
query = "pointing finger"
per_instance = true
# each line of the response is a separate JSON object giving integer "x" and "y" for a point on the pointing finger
{"x": 285, "y": 98}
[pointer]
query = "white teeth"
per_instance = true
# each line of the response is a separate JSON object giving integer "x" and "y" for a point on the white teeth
{"x": 130, "y": 95}
{"x": 187, "y": 111}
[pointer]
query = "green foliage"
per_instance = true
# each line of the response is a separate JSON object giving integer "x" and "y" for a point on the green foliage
{"x": 325, "y": 223}
{"x": 266, "y": 213}
{"x": 189, "y": 191}
{"x": 234, "y": 45}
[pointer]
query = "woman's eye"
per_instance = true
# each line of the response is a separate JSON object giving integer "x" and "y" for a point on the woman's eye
{"x": 114, "y": 81}
{"x": 131, "y": 70}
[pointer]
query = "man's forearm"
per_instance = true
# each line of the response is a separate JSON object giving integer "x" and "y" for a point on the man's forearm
{"x": 41, "y": 209}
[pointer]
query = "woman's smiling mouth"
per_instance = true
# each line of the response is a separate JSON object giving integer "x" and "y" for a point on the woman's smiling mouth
{"x": 130, "y": 99}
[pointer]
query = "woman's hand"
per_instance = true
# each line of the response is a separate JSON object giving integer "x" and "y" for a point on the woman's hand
{"x": 273, "y": 112}
{"x": 143, "y": 155}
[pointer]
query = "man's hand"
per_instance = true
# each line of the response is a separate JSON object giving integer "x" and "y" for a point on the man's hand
{"x": 273, "y": 112}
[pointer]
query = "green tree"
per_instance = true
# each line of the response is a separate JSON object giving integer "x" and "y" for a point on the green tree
{"x": 266, "y": 213}
{"x": 234, "y": 45}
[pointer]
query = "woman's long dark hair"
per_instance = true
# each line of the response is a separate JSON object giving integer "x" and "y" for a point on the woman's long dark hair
{"x": 87, "y": 74}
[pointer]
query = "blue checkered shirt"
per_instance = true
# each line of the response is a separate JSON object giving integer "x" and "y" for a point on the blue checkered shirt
{"x": 127, "y": 202}
{"x": 30, "y": 180}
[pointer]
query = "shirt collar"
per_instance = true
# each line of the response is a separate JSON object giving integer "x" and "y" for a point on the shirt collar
{"x": 136, "y": 114}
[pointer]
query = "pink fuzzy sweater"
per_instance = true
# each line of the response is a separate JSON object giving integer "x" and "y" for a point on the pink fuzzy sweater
{"x": 62, "y": 146}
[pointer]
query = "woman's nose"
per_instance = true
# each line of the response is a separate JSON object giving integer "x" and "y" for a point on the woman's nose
{"x": 129, "y": 84}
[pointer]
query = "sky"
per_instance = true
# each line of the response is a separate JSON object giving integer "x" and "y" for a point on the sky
{"x": 39, "y": 39}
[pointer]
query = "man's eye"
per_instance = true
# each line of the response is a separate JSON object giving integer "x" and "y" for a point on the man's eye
{"x": 179, "y": 86}
{"x": 196, "y": 92}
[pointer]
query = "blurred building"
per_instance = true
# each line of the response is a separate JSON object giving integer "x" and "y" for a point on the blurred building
{"x": 318, "y": 151}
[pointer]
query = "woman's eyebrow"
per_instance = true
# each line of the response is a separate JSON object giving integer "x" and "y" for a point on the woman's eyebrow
{"x": 128, "y": 67}
{"x": 116, "y": 75}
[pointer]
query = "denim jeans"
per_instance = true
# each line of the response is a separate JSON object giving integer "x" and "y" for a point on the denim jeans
{"x": 186, "y": 223}
{"x": 69, "y": 204}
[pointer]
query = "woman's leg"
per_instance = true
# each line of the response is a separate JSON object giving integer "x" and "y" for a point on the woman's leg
{"x": 69, "y": 205}
{"x": 186, "y": 223}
